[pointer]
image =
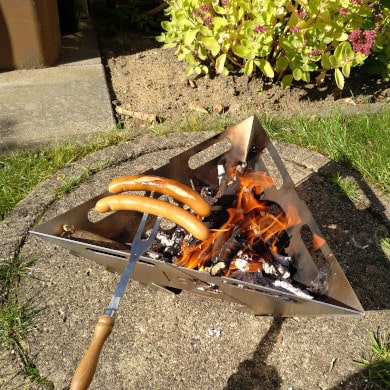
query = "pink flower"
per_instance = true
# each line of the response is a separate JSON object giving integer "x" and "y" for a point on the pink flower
{"x": 343, "y": 11}
{"x": 362, "y": 41}
{"x": 204, "y": 13}
{"x": 316, "y": 52}
{"x": 260, "y": 29}
{"x": 207, "y": 20}
{"x": 295, "y": 29}
{"x": 301, "y": 14}
{"x": 357, "y": 2}
{"x": 205, "y": 8}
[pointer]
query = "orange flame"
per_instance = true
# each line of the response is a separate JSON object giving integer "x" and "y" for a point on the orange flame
{"x": 253, "y": 218}
{"x": 318, "y": 241}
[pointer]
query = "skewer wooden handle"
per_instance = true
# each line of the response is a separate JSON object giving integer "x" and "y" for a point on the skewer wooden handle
{"x": 85, "y": 371}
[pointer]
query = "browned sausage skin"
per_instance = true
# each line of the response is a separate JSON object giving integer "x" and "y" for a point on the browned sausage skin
{"x": 173, "y": 188}
{"x": 155, "y": 207}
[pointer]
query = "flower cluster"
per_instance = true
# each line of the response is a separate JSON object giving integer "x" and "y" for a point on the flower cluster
{"x": 301, "y": 14}
{"x": 204, "y": 13}
{"x": 315, "y": 52}
{"x": 362, "y": 41}
{"x": 260, "y": 29}
{"x": 295, "y": 29}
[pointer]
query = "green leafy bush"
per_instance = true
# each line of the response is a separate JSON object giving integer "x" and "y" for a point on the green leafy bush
{"x": 285, "y": 39}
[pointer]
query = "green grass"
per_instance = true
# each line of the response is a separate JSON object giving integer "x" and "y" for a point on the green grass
{"x": 360, "y": 142}
{"x": 345, "y": 186}
{"x": 192, "y": 123}
{"x": 17, "y": 316}
{"x": 11, "y": 271}
{"x": 21, "y": 171}
{"x": 16, "y": 322}
{"x": 377, "y": 364}
{"x": 384, "y": 244}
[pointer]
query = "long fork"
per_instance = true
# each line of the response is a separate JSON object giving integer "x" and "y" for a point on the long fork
{"x": 85, "y": 371}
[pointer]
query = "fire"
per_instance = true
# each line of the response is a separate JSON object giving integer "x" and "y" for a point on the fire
{"x": 318, "y": 241}
{"x": 248, "y": 238}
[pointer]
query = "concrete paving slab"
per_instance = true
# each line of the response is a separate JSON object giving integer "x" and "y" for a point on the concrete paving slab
{"x": 67, "y": 101}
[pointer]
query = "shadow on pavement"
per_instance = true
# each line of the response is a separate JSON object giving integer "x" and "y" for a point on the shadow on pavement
{"x": 256, "y": 373}
{"x": 354, "y": 231}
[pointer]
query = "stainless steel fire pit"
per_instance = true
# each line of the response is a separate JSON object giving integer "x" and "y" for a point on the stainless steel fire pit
{"x": 106, "y": 241}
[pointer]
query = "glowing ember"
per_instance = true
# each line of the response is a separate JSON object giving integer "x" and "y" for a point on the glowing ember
{"x": 248, "y": 233}
{"x": 253, "y": 237}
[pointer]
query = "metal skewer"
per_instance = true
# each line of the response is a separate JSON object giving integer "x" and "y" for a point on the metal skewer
{"x": 85, "y": 371}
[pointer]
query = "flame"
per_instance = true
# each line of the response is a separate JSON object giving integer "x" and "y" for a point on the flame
{"x": 252, "y": 218}
{"x": 317, "y": 242}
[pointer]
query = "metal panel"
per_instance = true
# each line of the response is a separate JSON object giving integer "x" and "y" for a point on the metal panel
{"x": 107, "y": 244}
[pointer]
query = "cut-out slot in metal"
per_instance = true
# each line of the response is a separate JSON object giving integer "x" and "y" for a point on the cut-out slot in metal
{"x": 109, "y": 254}
{"x": 210, "y": 153}
{"x": 271, "y": 168}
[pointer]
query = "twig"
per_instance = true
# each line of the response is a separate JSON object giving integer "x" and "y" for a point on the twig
{"x": 143, "y": 116}
{"x": 157, "y": 9}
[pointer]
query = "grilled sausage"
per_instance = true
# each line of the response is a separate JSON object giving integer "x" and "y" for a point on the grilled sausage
{"x": 156, "y": 207}
{"x": 175, "y": 189}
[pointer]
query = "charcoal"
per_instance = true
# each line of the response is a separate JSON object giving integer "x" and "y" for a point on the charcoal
{"x": 230, "y": 247}
{"x": 207, "y": 193}
{"x": 281, "y": 259}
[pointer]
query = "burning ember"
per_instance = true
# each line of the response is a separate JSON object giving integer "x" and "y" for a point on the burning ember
{"x": 248, "y": 234}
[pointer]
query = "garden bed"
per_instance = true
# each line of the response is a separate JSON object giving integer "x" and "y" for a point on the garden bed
{"x": 147, "y": 79}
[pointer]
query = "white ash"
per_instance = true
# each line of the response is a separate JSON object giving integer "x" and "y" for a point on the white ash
{"x": 221, "y": 173}
{"x": 276, "y": 270}
{"x": 292, "y": 289}
{"x": 217, "y": 268}
{"x": 165, "y": 240}
{"x": 242, "y": 261}
{"x": 240, "y": 168}
{"x": 168, "y": 244}
{"x": 154, "y": 255}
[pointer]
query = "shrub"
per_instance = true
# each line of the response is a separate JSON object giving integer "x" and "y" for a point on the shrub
{"x": 285, "y": 39}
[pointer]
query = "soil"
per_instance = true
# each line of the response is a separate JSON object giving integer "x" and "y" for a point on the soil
{"x": 148, "y": 79}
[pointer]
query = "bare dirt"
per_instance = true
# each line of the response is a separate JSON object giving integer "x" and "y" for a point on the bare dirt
{"x": 148, "y": 79}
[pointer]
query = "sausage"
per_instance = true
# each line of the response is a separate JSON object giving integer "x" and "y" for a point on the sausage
{"x": 173, "y": 188}
{"x": 156, "y": 207}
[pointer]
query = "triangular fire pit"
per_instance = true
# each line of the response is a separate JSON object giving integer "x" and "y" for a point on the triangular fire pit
{"x": 314, "y": 285}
